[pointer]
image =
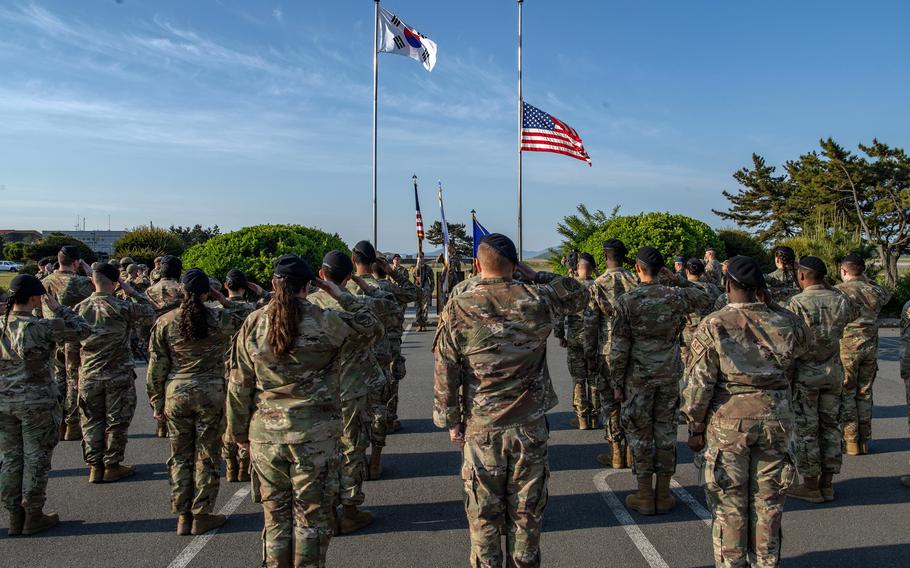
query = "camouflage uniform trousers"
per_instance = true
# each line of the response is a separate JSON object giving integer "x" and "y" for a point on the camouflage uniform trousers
{"x": 582, "y": 367}
{"x": 378, "y": 403}
{"x": 649, "y": 420}
{"x": 505, "y": 474}
{"x": 860, "y": 368}
{"x": 397, "y": 373}
{"x": 423, "y": 307}
{"x": 233, "y": 452}
{"x": 195, "y": 424}
{"x": 611, "y": 412}
{"x": 747, "y": 467}
{"x": 818, "y": 434}
{"x": 297, "y": 485}
{"x": 355, "y": 438}
{"x": 66, "y": 374}
{"x": 29, "y": 432}
{"x": 107, "y": 407}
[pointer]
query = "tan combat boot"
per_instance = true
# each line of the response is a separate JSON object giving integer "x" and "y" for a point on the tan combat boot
{"x": 230, "y": 469}
{"x": 38, "y": 521}
{"x": 96, "y": 473}
{"x": 583, "y": 422}
{"x": 73, "y": 432}
{"x": 375, "y": 463}
{"x": 643, "y": 500}
{"x": 808, "y": 491}
{"x": 116, "y": 472}
{"x": 852, "y": 447}
{"x": 184, "y": 524}
{"x": 243, "y": 469}
{"x": 905, "y": 481}
{"x": 628, "y": 456}
{"x": 203, "y": 523}
{"x": 826, "y": 486}
{"x": 16, "y": 520}
{"x": 353, "y": 520}
{"x": 63, "y": 431}
{"x": 664, "y": 502}
{"x": 161, "y": 430}
{"x": 864, "y": 448}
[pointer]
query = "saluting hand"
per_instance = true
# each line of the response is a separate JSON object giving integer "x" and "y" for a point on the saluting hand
{"x": 361, "y": 283}
{"x": 52, "y": 302}
{"x": 526, "y": 272}
{"x": 330, "y": 287}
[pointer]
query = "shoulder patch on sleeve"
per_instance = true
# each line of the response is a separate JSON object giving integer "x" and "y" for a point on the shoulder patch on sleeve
{"x": 698, "y": 347}
{"x": 560, "y": 288}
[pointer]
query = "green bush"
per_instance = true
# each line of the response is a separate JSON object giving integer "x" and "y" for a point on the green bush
{"x": 900, "y": 296}
{"x": 15, "y": 252}
{"x": 254, "y": 249}
{"x": 143, "y": 244}
{"x": 51, "y": 244}
{"x": 671, "y": 234}
{"x": 737, "y": 242}
{"x": 30, "y": 267}
{"x": 831, "y": 246}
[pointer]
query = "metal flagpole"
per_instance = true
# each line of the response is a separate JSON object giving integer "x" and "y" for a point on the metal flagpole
{"x": 520, "y": 116}
{"x": 375, "y": 108}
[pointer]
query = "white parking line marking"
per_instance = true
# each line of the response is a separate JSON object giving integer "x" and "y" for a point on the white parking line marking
{"x": 692, "y": 502}
{"x": 199, "y": 542}
{"x": 654, "y": 559}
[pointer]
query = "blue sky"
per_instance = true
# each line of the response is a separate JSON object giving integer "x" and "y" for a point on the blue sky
{"x": 239, "y": 113}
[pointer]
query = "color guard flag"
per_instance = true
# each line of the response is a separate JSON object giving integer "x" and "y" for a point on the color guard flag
{"x": 420, "y": 234}
{"x": 479, "y": 233}
{"x": 445, "y": 238}
{"x": 397, "y": 37}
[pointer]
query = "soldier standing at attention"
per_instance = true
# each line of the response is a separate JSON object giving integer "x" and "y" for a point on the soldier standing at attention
{"x": 859, "y": 352}
{"x": 819, "y": 381}
{"x": 492, "y": 392}
{"x": 645, "y": 370}
{"x": 609, "y": 286}
{"x": 423, "y": 278}
{"x": 284, "y": 401}
{"x": 783, "y": 282}
{"x": 107, "y": 380}
{"x": 30, "y": 414}
{"x": 694, "y": 272}
{"x": 737, "y": 405}
{"x": 713, "y": 269}
{"x": 68, "y": 288}
{"x": 579, "y": 335}
{"x": 905, "y": 367}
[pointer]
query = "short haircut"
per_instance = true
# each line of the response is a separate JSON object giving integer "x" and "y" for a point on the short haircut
{"x": 64, "y": 259}
{"x": 335, "y": 274}
{"x": 491, "y": 260}
{"x": 811, "y": 274}
{"x": 648, "y": 269}
{"x": 852, "y": 268}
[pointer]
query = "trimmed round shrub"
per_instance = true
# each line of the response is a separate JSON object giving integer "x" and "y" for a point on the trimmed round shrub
{"x": 143, "y": 244}
{"x": 15, "y": 252}
{"x": 254, "y": 249}
{"x": 51, "y": 244}
{"x": 738, "y": 242}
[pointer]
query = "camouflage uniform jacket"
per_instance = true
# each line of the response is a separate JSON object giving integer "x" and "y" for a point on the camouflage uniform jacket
{"x": 871, "y": 298}
{"x": 581, "y": 329}
{"x": 404, "y": 291}
{"x": 491, "y": 353}
{"x": 293, "y": 398}
{"x": 424, "y": 277}
{"x": 713, "y": 271}
{"x": 694, "y": 318}
{"x": 165, "y": 295}
{"x": 386, "y": 311}
{"x": 740, "y": 365}
{"x": 905, "y": 344}
{"x": 826, "y": 312}
{"x": 106, "y": 353}
{"x": 68, "y": 288}
{"x": 360, "y": 372}
{"x": 203, "y": 361}
{"x": 645, "y": 342}
{"x": 782, "y": 285}
{"x": 154, "y": 275}
{"x": 27, "y": 351}
{"x": 140, "y": 284}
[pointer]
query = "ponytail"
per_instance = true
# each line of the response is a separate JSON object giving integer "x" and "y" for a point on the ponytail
{"x": 194, "y": 324}
{"x": 282, "y": 313}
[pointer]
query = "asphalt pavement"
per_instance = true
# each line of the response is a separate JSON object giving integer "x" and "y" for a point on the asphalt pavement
{"x": 420, "y": 519}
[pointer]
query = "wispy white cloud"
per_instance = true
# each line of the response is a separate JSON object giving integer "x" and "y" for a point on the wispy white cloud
{"x": 278, "y": 14}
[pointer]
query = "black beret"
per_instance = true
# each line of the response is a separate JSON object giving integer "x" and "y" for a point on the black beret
{"x": 292, "y": 266}
{"x": 785, "y": 252}
{"x": 366, "y": 251}
{"x": 745, "y": 271}
{"x": 813, "y": 263}
{"x": 236, "y": 278}
{"x": 587, "y": 258}
{"x": 26, "y": 285}
{"x": 45, "y": 261}
{"x": 71, "y": 251}
{"x": 196, "y": 281}
{"x": 616, "y": 245}
{"x": 695, "y": 266}
{"x": 502, "y": 245}
{"x": 854, "y": 258}
{"x": 107, "y": 270}
{"x": 396, "y": 255}
{"x": 171, "y": 260}
{"x": 679, "y": 259}
{"x": 650, "y": 256}
{"x": 339, "y": 263}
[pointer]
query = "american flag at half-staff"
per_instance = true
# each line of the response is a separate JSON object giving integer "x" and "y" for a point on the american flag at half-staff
{"x": 541, "y": 132}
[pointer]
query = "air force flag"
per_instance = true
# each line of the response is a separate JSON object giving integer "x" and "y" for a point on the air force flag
{"x": 397, "y": 37}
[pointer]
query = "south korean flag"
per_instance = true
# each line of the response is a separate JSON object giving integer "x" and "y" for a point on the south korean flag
{"x": 397, "y": 37}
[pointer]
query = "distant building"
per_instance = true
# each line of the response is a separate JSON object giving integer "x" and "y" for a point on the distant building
{"x": 102, "y": 242}
{"x": 14, "y": 236}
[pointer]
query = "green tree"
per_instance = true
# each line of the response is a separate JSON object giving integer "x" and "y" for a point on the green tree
{"x": 143, "y": 244}
{"x": 738, "y": 242}
{"x": 15, "y": 252}
{"x": 830, "y": 245}
{"x": 458, "y": 237}
{"x": 254, "y": 249}
{"x": 195, "y": 235}
{"x": 51, "y": 244}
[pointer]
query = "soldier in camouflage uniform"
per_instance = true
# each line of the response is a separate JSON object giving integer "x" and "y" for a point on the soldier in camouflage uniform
{"x": 45, "y": 267}
{"x": 905, "y": 367}
{"x": 125, "y": 264}
{"x": 136, "y": 279}
{"x": 713, "y": 270}
{"x": 695, "y": 273}
{"x": 395, "y": 281}
{"x": 68, "y": 288}
{"x": 859, "y": 353}
{"x": 30, "y": 413}
{"x": 609, "y": 286}
{"x": 782, "y": 283}
{"x": 185, "y": 384}
{"x": 360, "y": 373}
{"x": 579, "y": 334}
{"x": 425, "y": 281}
{"x": 645, "y": 370}
{"x": 107, "y": 381}
{"x": 737, "y": 404}
{"x": 167, "y": 293}
{"x": 492, "y": 391}
{"x": 155, "y": 273}
{"x": 819, "y": 381}
{"x": 284, "y": 400}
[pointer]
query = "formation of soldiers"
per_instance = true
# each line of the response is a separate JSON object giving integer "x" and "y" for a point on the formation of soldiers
{"x": 292, "y": 387}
